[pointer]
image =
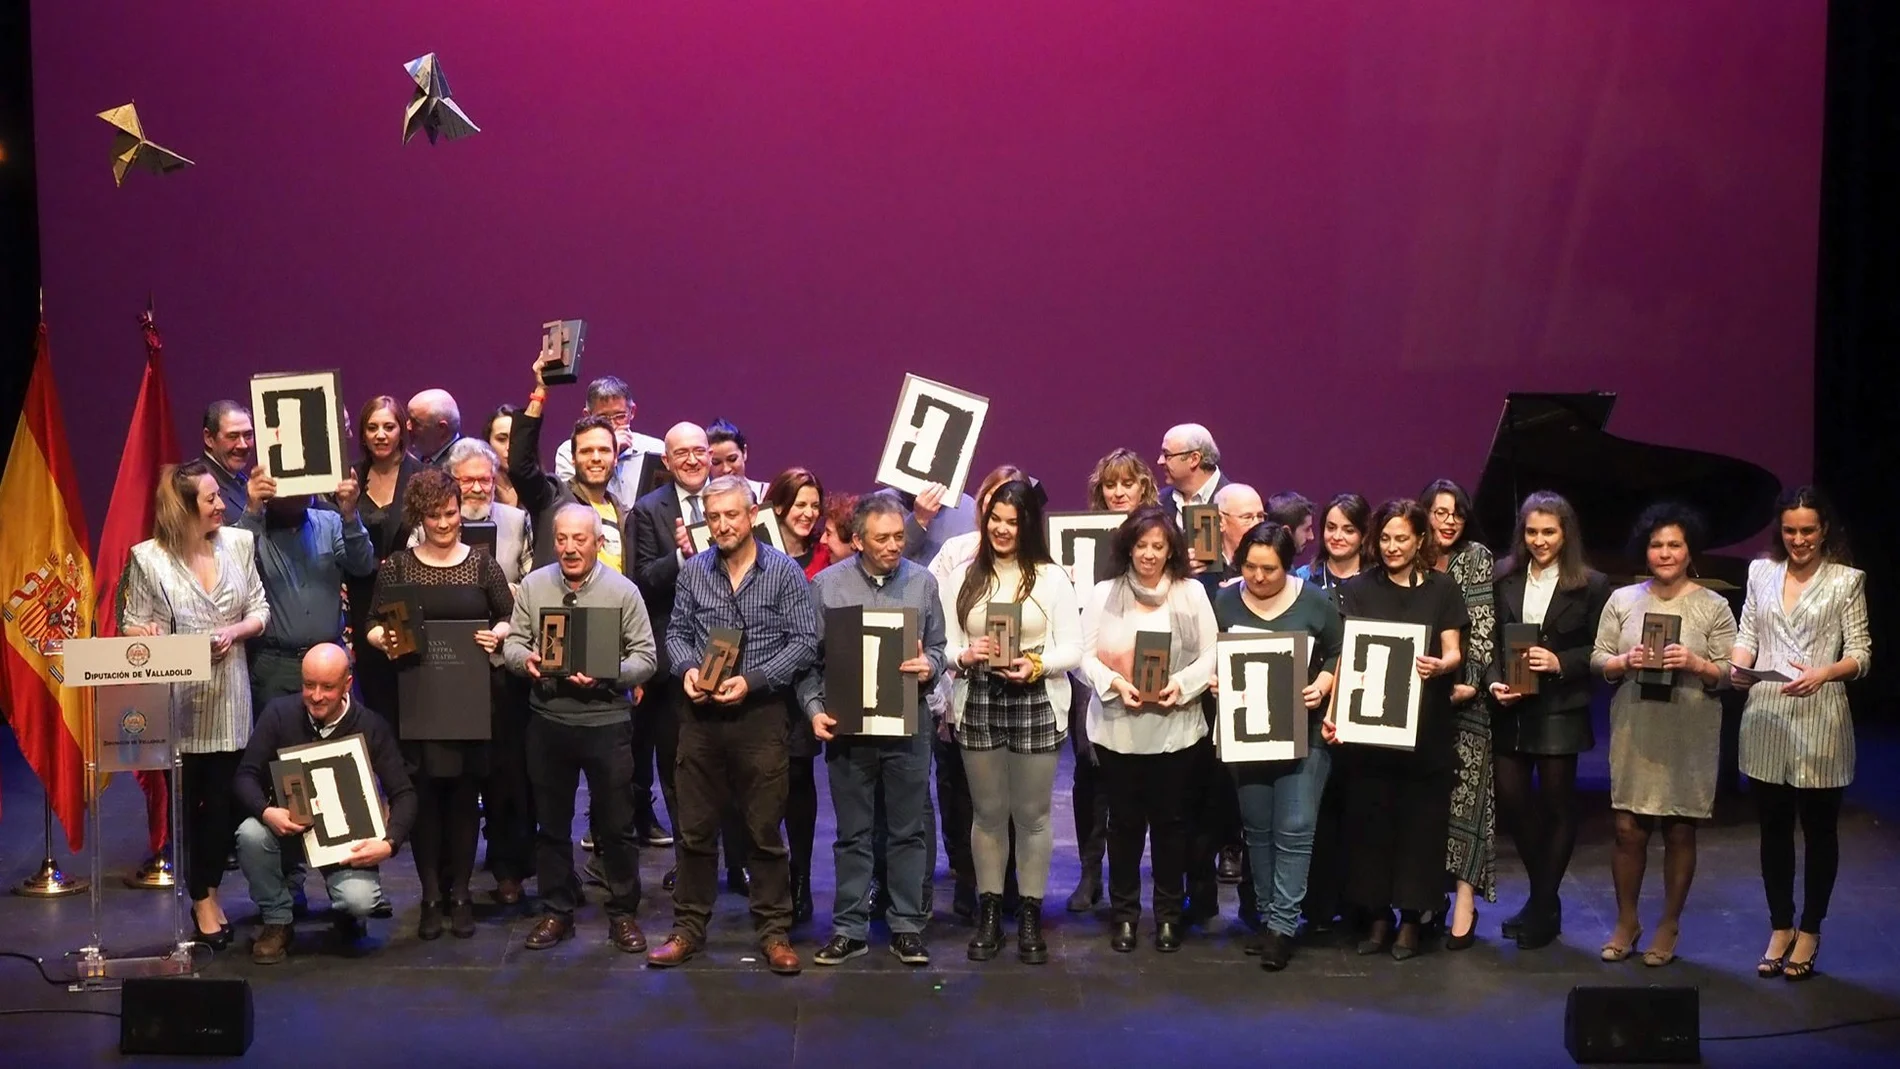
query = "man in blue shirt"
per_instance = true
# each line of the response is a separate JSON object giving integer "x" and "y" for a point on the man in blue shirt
{"x": 732, "y": 737}
{"x": 879, "y": 577}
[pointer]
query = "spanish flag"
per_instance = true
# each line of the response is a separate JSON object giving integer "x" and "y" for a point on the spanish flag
{"x": 46, "y": 575}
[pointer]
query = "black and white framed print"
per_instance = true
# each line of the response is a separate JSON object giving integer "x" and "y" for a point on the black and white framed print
{"x": 764, "y": 528}
{"x": 1260, "y": 715}
{"x": 299, "y": 422}
{"x": 866, "y": 689}
{"x": 1376, "y": 697}
{"x": 342, "y": 795}
{"x": 933, "y": 438}
{"x": 1084, "y": 543}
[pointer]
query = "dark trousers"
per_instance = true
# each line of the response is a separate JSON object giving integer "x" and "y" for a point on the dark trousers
{"x": 1087, "y": 797}
{"x": 558, "y": 755}
{"x": 801, "y": 814}
{"x": 1818, "y": 810}
{"x": 1214, "y": 817}
{"x": 1326, "y": 878}
{"x": 957, "y": 815}
{"x": 448, "y": 825}
{"x": 274, "y": 674}
{"x": 728, "y": 756}
{"x": 1147, "y": 801}
{"x": 656, "y": 748}
{"x": 507, "y": 800}
{"x": 210, "y": 817}
{"x": 1398, "y": 817}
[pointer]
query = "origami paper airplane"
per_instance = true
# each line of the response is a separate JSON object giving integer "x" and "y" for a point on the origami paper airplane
{"x": 130, "y": 149}
{"x": 432, "y": 111}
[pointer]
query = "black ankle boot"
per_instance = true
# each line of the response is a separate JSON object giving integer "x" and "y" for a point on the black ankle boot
{"x": 988, "y": 939}
{"x": 1029, "y": 945}
{"x": 1088, "y": 893}
{"x": 430, "y": 926}
{"x": 801, "y": 899}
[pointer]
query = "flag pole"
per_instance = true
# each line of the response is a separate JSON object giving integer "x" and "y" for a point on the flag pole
{"x": 49, "y": 881}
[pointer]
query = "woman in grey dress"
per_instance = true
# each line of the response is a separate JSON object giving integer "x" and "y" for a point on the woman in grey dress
{"x": 1665, "y": 739}
{"x": 1471, "y": 851}
{"x": 1806, "y": 620}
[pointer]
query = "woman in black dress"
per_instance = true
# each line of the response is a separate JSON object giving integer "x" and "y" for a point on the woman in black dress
{"x": 1543, "y": 584}
{"x": 796, "y": 498}
{"x": 1398, "y": 802}
{"x": 453, "y": 582}
{"x": 383, "y": 470}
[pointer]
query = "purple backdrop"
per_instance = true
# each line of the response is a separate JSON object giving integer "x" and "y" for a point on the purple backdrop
{"x": 1335, "y": 233}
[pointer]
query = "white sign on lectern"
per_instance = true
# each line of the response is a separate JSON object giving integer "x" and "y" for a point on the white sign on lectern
{"x": 123, "y": 661}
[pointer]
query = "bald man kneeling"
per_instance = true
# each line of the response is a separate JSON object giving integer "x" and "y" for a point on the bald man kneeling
{"x": 269, "y": 841}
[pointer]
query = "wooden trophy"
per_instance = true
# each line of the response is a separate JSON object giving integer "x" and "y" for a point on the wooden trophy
{"x": 1201, "y": 524}
{"x": 1660, "y": 630}
{"x": 1003, "y": 623}
{"x": 552, "y": 643}
{"x": 561, "y": 342}
{"x": 293, "y": 790}
{"x": 400, "y": 615}
{"x": 1151, "y": 665}
{"x": 1518, "y": 640}
{"x": 722, "y": 658}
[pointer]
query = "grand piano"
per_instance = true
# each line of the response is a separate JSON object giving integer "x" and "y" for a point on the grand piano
{"x": 1557, "y": 442}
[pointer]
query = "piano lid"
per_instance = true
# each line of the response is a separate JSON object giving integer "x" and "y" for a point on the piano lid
{"x": 1557, "y": 441}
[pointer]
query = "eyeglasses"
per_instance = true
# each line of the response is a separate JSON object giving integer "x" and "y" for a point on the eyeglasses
{"x": 1443, "y": 515}
{"x": 1245, "y": 517}
{"x": 1165, "y": 455}
{"x": 475, "y": 483}
{"x": 700, "y": 453}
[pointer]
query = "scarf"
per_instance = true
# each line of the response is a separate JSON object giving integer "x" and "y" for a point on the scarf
{"x": 1185, "y": 641}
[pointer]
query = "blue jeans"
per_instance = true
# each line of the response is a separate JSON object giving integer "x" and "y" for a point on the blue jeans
{"x": 1279, "y": 807}
{"x": 856, "y": 768}
{"x": 263, "y": 857}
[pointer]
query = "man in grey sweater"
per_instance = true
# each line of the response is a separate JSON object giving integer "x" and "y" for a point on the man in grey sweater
{"x": 581, "y": 725}
{"x": 879, "y": 577}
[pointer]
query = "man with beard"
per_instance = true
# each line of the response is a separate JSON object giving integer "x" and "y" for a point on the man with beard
{"x": 581, "y": 726}
{"x": 230, "y": 449}
{"x": 473, "y": 465}
{"x": 608, "y": 398}
{"x": 595, "y": 445}
{"x": 732, "y": 737}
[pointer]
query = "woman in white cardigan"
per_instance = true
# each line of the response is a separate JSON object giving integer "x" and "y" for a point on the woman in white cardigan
{"x": 1010, "y": 719}
{"x": 1148, "y": 748}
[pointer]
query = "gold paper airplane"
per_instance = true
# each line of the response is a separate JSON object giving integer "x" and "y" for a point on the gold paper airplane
{"x": 432, "y": 111}
{"x": 130, "y": 149}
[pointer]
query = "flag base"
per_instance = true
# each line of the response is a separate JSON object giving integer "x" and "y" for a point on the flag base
{"x": 155, "y": 874}
{"x": 50, "y": 882}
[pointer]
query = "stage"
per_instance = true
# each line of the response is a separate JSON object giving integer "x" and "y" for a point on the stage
{"x": 489, "y": 1001}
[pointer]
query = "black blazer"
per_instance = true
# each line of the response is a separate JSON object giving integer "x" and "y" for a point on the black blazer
{"x": 542, "y": 495}
{"x": 655, "y": 560}
{"x": 1556, "y": 720}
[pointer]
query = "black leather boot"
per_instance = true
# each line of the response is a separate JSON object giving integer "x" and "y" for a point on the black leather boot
{"x": 1029, "y": 945}
{"x": 988, "y": 939}
{"x": 1088, "y": 893}
{"x": 801, "y": 898}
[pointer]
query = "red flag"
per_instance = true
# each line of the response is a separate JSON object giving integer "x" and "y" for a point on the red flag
{"x": 150, "y": 444}
{"x": 46, "y": 576}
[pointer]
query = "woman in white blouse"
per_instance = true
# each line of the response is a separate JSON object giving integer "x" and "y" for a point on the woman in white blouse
{"x": 1805, "y": 619}
{"x": 196, "y": 576}
{"x": 1148, "y": 749}
{"x": 1010, "y": 719}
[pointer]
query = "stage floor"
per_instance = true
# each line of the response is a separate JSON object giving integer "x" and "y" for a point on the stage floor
{"x": 489, "y": 1001}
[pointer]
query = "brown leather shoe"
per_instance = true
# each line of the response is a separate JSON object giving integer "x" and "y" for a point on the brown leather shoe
{"x": 549, "y": 930}
{"x": 625, "y": 933}
{"x": 508, "y": 892}
{"x": 674, "y": 951}
{"x": 272, "y": 944}
{"x": 782, "y": 959}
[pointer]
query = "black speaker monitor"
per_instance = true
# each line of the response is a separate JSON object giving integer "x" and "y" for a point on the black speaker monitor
{"x": 185, "y": 1015}
{"x": 1633, "y": 1024}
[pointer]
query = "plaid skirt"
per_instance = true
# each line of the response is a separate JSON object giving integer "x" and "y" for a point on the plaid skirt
{"x": 998, "y": 713}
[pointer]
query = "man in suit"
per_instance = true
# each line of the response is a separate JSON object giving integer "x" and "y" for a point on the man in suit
{"x": 660, "y": 545}
{"x": 1192, "y": 463}
{"x": 473, "y": 464}
{"x": 435, "y": 422}
{"x": 230, "y": 450}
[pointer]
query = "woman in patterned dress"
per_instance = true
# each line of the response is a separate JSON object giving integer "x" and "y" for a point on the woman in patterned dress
{"x": 1471, "y": 851}
{"x": 1806, "y": 618}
